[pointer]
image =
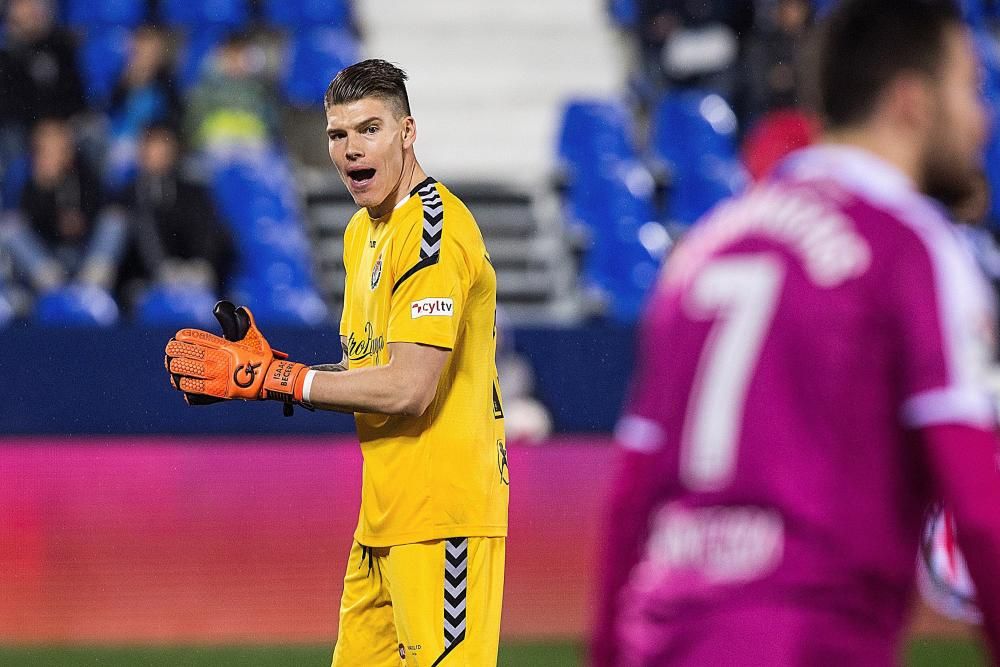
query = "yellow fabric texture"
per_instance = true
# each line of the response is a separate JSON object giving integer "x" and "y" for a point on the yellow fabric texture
{"x": 392, "y": 612}
{"x": 422, "y": 275}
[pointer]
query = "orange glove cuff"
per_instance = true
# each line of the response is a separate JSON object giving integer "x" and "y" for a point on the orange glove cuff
{"x": 284, "y": 381}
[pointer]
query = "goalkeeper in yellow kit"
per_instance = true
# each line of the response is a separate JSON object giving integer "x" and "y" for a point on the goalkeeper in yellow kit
{"x": 424, "y": 583}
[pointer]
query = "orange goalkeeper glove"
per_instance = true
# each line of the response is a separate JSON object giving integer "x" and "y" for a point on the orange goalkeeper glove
{"x": 205, "y": 366}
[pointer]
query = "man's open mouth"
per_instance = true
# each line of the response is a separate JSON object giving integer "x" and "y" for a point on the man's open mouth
{"x": 360, "y": 176}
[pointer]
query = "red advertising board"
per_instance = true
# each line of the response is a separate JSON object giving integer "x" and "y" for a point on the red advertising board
{"x": 130, "y": 540}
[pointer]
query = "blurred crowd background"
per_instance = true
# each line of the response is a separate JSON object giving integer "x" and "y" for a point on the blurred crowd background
{"x": 158, "y": 154}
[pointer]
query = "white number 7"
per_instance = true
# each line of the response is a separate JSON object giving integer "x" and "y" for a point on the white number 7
{"x": 740, "y": 293}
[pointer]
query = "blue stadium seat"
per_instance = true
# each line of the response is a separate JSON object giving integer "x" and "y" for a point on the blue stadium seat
{"x": 102, "y": 57}
{"x": 15, "y": 177}
{"x": 184, "y": 13}
{"x": 625, "y": 13}
{"x": 592, "y": 130}
{"x": 273, "y": 271}
{"x": 284, "y": 306}
{"x": 992, "y": 160}
{"x": 690, "y": 122}
{"x": 77, "y": 305}
{"x": 694, "y": 193}
{"x": 315, "y": 57}
{"x": 989, "y": 55}
{"x": 823, "y": 7}
{"x": 177, "y": 304}
{"x": 256, "y": 195}
{"x": 84, "y": 14}
{"x": 974, "y": 12}
{"x": 614, "y": 201}
{"x": 694, "y": 135}
{"x": 295, "y": 14}
{"x": 246, "y": 205}
{"x": 281, "y": 240}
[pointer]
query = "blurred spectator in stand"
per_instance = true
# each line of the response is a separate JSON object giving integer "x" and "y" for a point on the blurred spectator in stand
{"x": 693, "y": 42}
{"x": 62, "y": 231}
{"x": 773, "y": 55}
{"x": 234, "y": 104}
{"x": 39, "y": 77}
{"x": 176, "y": 235}
{"x": 144, "y": 94}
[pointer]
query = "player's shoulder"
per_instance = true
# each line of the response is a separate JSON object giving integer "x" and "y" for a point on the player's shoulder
{"x": 457, "y": 217}
{"x": 879, "y": 199}
{"x": 916, "y": 247}
{"x": 906, "y": 226}
{"x": 442, "y": 217}
{"x": 453, "y": 204}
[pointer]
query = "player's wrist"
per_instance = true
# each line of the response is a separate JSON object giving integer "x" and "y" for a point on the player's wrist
{"x": 284, "y": 381}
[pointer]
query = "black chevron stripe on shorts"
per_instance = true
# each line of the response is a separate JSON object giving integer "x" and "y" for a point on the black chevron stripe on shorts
{"x": 430, "y": 243}
{"x": 456, "y": 583}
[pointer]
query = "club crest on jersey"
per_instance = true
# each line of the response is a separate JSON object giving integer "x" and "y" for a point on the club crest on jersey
{"x": 502, "y": 463}
{"x": 436, "y": 307}
{"x": 377, "y": 272}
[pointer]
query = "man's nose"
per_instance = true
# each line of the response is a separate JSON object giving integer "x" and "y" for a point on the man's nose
{"x": 354, "y": 151}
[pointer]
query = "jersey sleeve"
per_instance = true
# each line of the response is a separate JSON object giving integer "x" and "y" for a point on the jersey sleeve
{"x": 433, "y": 273}
{"x": 640, "y": 438}
{"x": 944, "y": 331}
{"x": 639, "y": 429}
{"x": 963, "y": 464}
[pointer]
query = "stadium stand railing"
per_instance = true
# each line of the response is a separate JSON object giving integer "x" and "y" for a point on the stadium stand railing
{"x": 536, "y": 276}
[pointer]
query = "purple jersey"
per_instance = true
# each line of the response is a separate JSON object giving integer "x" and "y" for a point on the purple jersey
{"x": 798, "y": 337}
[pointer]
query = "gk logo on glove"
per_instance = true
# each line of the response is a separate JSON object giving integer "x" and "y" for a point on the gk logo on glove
{"x": 432, "y": 308}
{"x": 247, "y": 371}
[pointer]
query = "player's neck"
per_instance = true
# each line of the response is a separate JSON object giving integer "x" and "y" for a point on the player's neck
{"x": 883, "y": 144}
{"x": 412, "y": 175}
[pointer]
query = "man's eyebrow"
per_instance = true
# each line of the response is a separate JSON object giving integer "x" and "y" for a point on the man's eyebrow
{"x": 366, "y": 121}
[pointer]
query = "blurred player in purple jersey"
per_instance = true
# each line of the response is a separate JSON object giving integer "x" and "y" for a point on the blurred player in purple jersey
{"x": 811, "y": 376}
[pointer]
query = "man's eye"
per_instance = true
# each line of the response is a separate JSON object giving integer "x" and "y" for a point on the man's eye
{"x": 371, "y": 129}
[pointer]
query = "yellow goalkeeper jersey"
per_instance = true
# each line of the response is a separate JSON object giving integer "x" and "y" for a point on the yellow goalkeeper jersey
{"x": 423, "y": 275}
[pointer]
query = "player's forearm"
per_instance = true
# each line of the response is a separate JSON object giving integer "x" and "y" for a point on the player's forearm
{"x": 964, "y": 464}
{"x": 382, "y": 389}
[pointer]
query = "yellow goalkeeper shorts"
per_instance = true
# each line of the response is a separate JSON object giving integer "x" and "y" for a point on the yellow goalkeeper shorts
{"x": 422, "y": 605}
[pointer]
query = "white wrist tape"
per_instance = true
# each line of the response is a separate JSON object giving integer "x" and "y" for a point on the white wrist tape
{"x": 307, "y": 386}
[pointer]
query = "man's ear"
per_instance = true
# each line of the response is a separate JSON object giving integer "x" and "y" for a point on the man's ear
{"x": 910, "y": 101}
{"x": 409, "y": 131}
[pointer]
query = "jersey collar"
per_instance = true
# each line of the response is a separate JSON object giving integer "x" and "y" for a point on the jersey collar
{"x": 861, "y": 171}
{"x": 421, "y": 185}
{"x": 864, "y": 174}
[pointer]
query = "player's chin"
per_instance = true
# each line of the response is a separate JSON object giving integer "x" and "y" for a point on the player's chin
{"x": 365, "y": 193}
{"x": 366, "y": 199}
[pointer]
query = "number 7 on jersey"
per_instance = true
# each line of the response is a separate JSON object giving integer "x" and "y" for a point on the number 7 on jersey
{"x": 739, "y": 293}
